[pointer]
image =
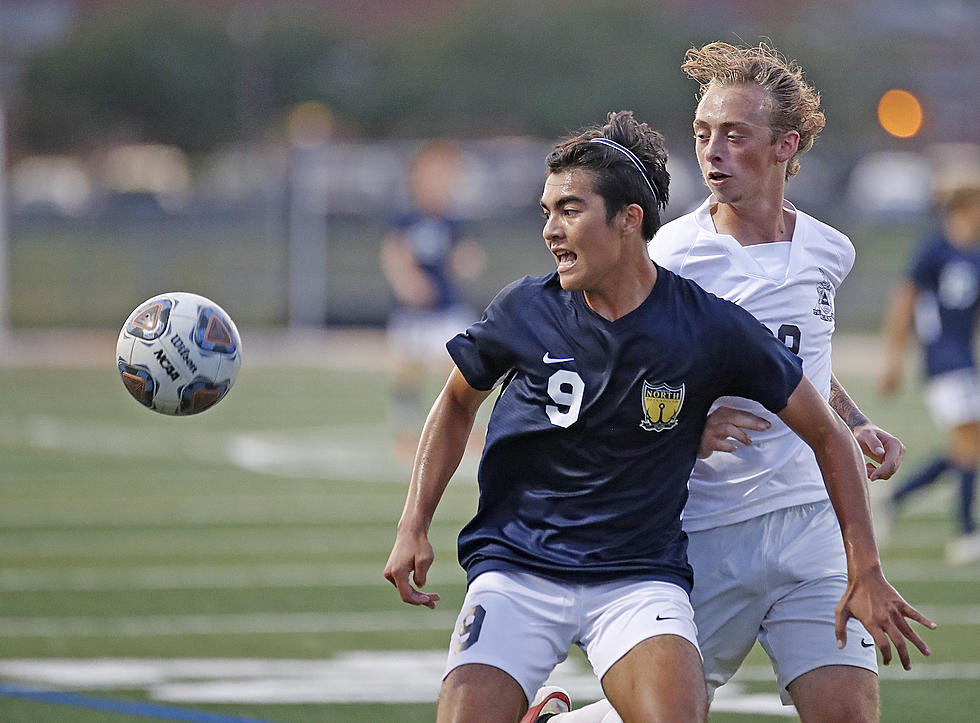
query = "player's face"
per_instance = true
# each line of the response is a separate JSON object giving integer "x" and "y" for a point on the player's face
{"x": 738, "y": 157}
{"x": 586, "y": 247}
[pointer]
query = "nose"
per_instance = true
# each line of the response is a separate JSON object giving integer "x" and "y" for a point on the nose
{"x": 551, "y": 229}
{"x": 712, "y": 148}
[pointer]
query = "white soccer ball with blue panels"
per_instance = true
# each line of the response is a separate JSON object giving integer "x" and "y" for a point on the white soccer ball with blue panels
{"x": 179, "y": 353}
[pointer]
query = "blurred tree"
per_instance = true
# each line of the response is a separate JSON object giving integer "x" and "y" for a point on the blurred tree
{"x": 155, "y": 72}
{"x": 543, "y": 68}
{"x": 202, "y": 75}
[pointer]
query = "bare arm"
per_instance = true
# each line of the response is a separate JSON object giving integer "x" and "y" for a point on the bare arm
{"x": 898, "y": 321}
{"x": 869, "y": 597}
{"x": 885, "y": 449}
{"x": 409, "y": 283}
{"x": 441, "y": 447}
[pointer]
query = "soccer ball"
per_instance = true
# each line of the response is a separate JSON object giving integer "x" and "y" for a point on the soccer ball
{"x": 178, "y": 353}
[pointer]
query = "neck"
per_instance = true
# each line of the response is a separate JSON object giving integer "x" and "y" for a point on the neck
{"x": 755, "y": 221}
{"x": 624, "y": 293}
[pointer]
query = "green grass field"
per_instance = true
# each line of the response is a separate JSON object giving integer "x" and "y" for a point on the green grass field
{"x": 228, "y": 567}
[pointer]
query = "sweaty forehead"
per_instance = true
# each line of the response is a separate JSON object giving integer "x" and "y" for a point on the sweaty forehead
{"x": 729, "y": 104}
{"x": 568, "y": 182}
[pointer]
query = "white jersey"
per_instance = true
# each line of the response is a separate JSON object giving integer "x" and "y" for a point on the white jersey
{"x": 789, "y": 287}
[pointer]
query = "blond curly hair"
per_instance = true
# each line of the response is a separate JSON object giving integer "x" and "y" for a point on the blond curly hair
{"x": 794, "y": 104}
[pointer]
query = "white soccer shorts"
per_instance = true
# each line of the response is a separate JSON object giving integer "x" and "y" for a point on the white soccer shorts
{"x": 525, "y": 624}
{"x": 953, "y": 398}
{"x": 421, "y": 335}
{"x": 776, "y": 578}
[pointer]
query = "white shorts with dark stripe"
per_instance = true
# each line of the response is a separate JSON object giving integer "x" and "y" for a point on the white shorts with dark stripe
{"x": 525, "y": 624}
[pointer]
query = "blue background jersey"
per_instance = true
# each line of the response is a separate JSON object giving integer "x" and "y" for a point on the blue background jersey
{"x": 948, "y": 281}
{"x": 431, "y": 239}
{"x": 590, "y": 444}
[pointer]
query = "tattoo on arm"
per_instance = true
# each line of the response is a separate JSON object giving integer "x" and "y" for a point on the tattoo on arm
{"x": 845, "y": 407}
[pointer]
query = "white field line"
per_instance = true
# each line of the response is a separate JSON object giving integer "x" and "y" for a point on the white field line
{"x": 281, "y": 506}
{"x": 356, "y": 452}
{"x": 120, "y": 544}
{"x": 224, "y": 624}
{"x": 280, "y": 575}
{"x": 285, "y": 623}
{"x": 210, "y": 577}
{"x": 360, "y": 677}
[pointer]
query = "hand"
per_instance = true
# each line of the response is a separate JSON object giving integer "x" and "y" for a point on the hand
{"x": 726, "y": 424}
{"x": 883, "y": 612}
{"x": 410, "y": 559}
{"x": 884, "y": 448}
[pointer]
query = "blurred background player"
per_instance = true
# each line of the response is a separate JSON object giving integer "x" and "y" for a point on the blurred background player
{"x": 942, "y": 295}
{"x": 424, "y": 258}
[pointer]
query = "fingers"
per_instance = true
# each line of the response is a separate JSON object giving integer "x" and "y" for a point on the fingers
{"x": 909, "y": 632}
{"x": 840, "y": 626}
{"x": 903, "y": 650}
{"x": 899, "y": 631}
{"x": 739, "y": 418}
{"x": 400, "y": 574}
{"x": 726, "y": 428}
{"x": 888, "y": 451}
{"x": 893, "y": 456}
{"x": 408, "y": 594}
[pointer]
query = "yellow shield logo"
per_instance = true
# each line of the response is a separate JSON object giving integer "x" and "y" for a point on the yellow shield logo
{"x": 661, "y": 406}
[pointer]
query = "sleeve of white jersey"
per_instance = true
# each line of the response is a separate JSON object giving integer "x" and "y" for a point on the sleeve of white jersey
{"x": 841, "y": 252}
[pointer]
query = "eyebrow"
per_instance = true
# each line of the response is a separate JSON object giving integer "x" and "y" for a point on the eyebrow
{"x": 727, "y": 124}
{"x": 563, "y": 201}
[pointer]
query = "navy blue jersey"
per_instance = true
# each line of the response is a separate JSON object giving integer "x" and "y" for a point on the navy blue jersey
{"x": 948, "y": 281}
{"x": 593, "y": 437}
{"x": 431, "y": 239}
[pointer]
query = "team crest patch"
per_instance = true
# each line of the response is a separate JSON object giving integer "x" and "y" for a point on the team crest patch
{"x": 661, "y": 406}
{"x": 825, "y": 301}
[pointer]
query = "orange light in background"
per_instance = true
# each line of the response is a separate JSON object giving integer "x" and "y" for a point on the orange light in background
{"x": 900, "y": 113}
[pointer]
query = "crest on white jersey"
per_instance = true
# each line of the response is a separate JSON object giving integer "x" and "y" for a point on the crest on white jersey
{"x": 825, "y": 301}
{"x": 661, "y": 405}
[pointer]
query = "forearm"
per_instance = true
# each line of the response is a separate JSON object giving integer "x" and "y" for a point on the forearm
{"x": 898, "y": 320}
{"x": 842, "y": 466}
{"x": 441, "y": 446}
{"x": 841, "y": 402}
{"x": 843, "y": 470}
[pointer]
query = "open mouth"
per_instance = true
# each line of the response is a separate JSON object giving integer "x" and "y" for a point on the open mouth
{"x": 717, "y": 176}
{"x": 566, "y": 259}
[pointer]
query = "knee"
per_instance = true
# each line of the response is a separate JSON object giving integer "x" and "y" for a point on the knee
{"x": 836, "y": 694}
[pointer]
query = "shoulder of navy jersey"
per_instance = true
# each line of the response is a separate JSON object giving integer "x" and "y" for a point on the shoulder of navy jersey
{"x": 486, "y": 351}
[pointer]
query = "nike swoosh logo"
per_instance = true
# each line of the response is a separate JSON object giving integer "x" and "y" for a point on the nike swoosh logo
{"x": 659, "y": 617}
{"x": 548, "y": 359}
{"x": 866, "y": 644}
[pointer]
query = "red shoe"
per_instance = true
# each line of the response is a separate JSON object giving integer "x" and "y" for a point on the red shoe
{"x": 548, "y": 701}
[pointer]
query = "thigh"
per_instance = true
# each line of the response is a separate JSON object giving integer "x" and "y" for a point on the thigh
{"x": 964, "y": 445}
{"x": 809, "y": 579}
{"x": 616, "y": 617}
{"x": 482, "y": 694}
{"x": 660, "y": 679}
{"x": 518, "y": 623}
{"x": 729, "y": 598}
{"x": 836, "y": 693}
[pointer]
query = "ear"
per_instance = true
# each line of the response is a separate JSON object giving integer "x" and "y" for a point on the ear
{"x": 631, "y": 219}
{"x": 787, "y": 145}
